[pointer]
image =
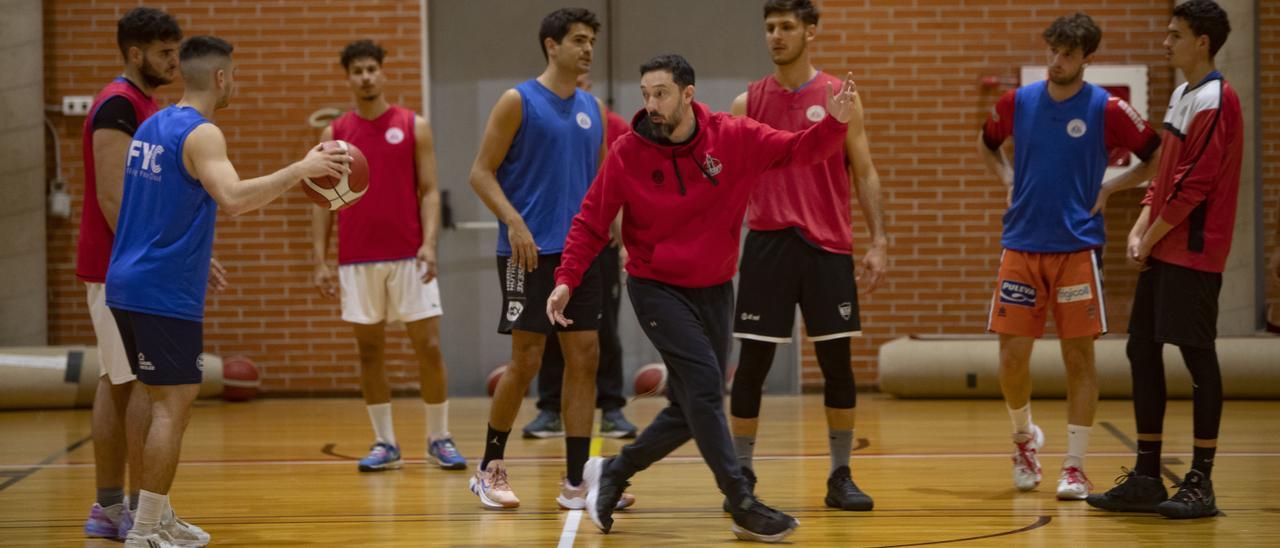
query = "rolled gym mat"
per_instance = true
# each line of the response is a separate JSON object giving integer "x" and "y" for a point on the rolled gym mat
{"x": 51, "y": 377}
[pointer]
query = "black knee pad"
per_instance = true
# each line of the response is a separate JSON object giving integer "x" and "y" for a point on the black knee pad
{"x": 838, "y": 390}
{"x": 754, "y": 362}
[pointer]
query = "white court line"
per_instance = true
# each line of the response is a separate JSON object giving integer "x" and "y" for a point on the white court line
{"x": 681, "y": 460}
{"x": 570, "y": 531}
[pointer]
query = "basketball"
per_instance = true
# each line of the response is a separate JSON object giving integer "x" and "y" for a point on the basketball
{"x": 651, "y": 380}
{"x": 338, "y": 194}
{"x": 240, "y": 379}
{"x": 494, "y": 377}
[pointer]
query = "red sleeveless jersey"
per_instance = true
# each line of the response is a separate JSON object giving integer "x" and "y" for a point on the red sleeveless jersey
{"x": 93, "y": 250}
{"x": 385, "y": 224}
{"x": 813, "y": 198}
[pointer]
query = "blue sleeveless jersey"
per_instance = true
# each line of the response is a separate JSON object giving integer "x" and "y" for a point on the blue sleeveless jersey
{"x": 164, "y": 234}
{"x": 550, "y": 164}
{"x": 1060, "y": 158}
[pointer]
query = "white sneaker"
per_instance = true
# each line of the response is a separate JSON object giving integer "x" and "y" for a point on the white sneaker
{"x": 492, "y": 487}
{"x": 1073, "y": 484}
{"x": 155, "y": 538}
{"x": 575, "y": 498}
{"x": 181, "y": 532}
{"x": 1026, "y": 466}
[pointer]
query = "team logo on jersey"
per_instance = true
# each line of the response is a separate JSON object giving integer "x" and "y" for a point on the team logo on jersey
{"x": 143, "y": 364}
{"x": 750, "y": 317}
{"x": 514, "y": 309}
{"x": 149, "y": 153}
{"x": 712, "y": 166}
{"x": 815, "y": 113}
{"x": 1017, "y": 293}
{"x": 846, "y": 310}
{"x": 395, "y": 136}
{"x": 1073, "y": 293}
{"x": 657, "y": 177}
{"x": 584, "y": 121}
{"x": 1077, "y": 128}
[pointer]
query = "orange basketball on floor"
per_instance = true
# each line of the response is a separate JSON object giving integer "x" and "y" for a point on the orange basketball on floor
{"x": 494, "y": 377}
{"x": 240, "y": 379}
{"x": 335, "y": 194}
{"x": 651, "y": 380}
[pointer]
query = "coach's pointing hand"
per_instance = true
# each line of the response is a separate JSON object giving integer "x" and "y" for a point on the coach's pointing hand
{"x": 556, "y": 303}
{"x": 841, "y": 105}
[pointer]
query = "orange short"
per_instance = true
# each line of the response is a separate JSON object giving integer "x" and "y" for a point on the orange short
{"x": 1029, "y": 284}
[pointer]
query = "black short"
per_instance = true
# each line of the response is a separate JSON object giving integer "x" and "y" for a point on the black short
{"x": 781, "y": 269}
{"x": 1176, "y": 305}
{"x": 524, "y": 297}
{"x": 161, "y": 350}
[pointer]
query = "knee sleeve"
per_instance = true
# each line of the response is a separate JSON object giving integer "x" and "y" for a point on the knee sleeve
{"x": 1146, "y": 368}
{"x": 754, "y": 362}
{"x": 1206, "y": 377}
{"x": 838, "y": 389}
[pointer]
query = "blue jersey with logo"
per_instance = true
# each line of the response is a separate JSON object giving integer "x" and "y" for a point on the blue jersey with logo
{"x": 550, "y": 163}
{"x": 164, "y": 234}
{"x": 1060, "y": 158}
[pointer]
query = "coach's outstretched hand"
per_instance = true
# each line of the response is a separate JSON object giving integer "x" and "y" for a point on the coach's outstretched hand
{"x": 556, "y": 303}
{"x": 841, "y": 105}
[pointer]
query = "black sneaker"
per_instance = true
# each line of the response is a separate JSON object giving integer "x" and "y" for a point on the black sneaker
{"x": 751, "y": 488}
{"x": 755, "y": 521}
{"x": 603, "y": 493}
{"x": 546, "y": 425}
{"x": 1132, "y": 493}
{"x": 1194, "y": 499}
{"x": 844, "y": 494}
{"x": 613, "y": 424}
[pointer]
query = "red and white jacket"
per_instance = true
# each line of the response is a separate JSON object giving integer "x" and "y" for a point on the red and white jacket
{"x": 683, "y": 204}
{"x": 1195, "y": 189}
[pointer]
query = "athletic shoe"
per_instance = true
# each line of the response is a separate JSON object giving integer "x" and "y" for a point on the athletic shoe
{"x": 604, "y": 492}
{"x": 1132, "y": 493}
{"x": 575, "y": 498}
{"x": 382, "y": 456}
{"x": 182, "y": 533}
{"x": 1194, "y": 498}
{"x": 760, "y": 523}
{"x": 492, "y": 487}
{"x": 546, "y": 425}
{"x": 844, "y": 494}
{"x": 111, "y": 522}
{"x": 155, "y": 538}
{"x": 444, "y": 453}
{"x": 1026, "y": 467}
{"x": 1073, "y": 484}
{"x": 751, "y": 488}
{"x": 613, "y": 424}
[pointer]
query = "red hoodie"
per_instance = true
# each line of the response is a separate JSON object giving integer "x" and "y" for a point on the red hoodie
{"x": 683, "y": 204}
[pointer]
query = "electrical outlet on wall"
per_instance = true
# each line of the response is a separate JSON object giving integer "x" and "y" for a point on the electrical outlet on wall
{"x": 76, "y": 105}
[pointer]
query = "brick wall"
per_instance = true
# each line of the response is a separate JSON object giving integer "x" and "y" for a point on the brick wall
{"x": 917, "y": 62}
{"x": 287, "y": 61}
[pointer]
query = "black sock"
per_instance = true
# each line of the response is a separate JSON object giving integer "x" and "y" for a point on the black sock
{"x": 576, "y": 450}
{"x": 1148, "y": 459}
{"x": 1202, "y": 460}
{"x": 495, "y": 446}
{"x": 110, "y": 496}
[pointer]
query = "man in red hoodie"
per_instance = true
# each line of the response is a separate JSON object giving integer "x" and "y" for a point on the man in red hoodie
{"x": 682, "y": 179}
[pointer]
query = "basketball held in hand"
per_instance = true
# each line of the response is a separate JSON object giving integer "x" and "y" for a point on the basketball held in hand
{"x": 339, "y": 193}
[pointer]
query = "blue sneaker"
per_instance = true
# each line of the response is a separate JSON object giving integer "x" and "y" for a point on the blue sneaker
{"x": 382, "y": 456}
{"x": 613, "y": 424}
{"x": 445, "y": 453}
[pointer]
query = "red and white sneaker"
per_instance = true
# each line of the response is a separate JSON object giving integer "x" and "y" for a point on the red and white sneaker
{"x": 1026, "y": 466}
{"x": 1073, "y": 484}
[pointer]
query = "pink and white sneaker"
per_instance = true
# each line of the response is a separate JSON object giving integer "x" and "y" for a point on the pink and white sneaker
{"x": 492, "y": 487}
{"x": 1026, "y": 466}
{"x": 1073, "y": 484}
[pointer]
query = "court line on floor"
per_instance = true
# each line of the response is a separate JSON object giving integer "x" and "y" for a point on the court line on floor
{"x": 571, "y": 522}
{"x": 1040, "y": 522}
{"x": 692, "y": 459}
{"x": 19, "y": 475}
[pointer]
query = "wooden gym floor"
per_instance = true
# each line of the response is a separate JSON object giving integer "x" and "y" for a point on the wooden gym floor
{"x": 280, "y": 471}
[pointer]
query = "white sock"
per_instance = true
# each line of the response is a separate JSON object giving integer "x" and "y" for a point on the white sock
{"x": 1077, "y": 445}
{"x": 380, "y": 416}
{"x": 151, "y": 507}
{"x": 1021, "y": 419}
{"x": 437, "y": 420}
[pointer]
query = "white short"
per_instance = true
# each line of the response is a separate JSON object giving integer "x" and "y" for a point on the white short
{"x": 112, "y": 360}
{"x": 387, "y": 291}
